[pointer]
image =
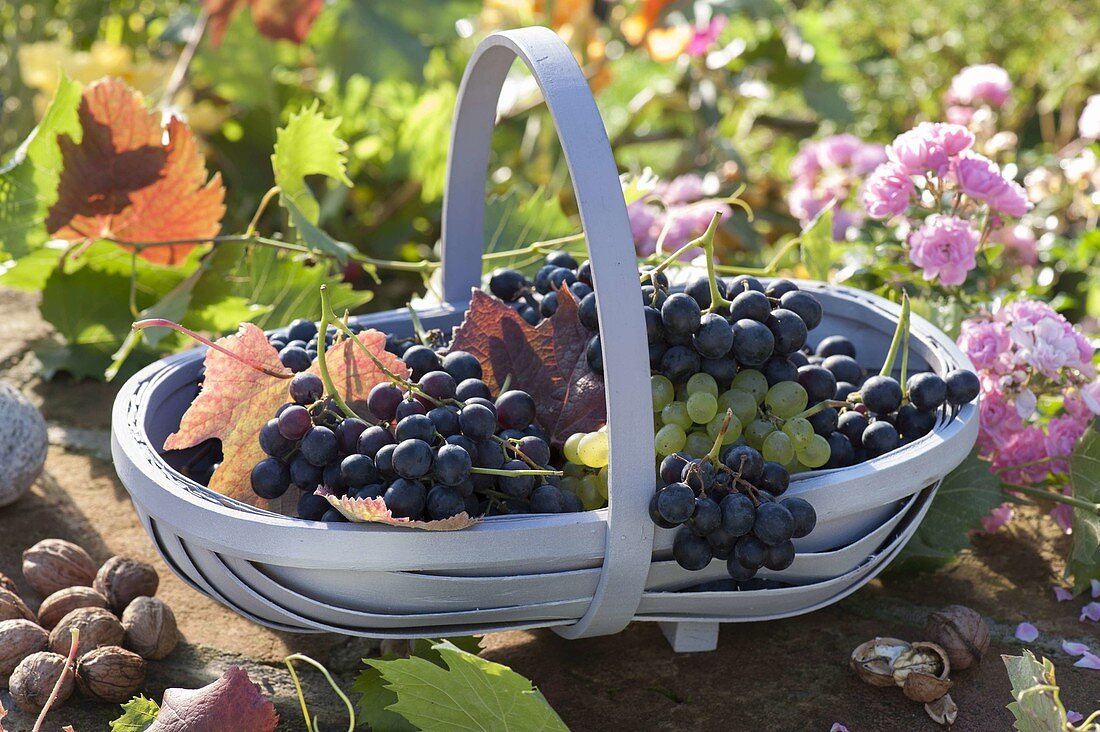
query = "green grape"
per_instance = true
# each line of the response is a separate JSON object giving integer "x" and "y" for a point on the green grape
{"x": 570, "y": 484}
{"x": 589, "y": 493}
{"x": 669, "y": 439}
{"x": 742, "y": 402}
{"x": 570, "y": 448}
{"x": 698, "y": 444}
{"x": 572, "y": 470}
{"x": 701, "y": 407}
{"x": 786, "y": 399}
{"x": 593, "y": 449}
{"x": 800, "y": 431}
{"x": 677, "y": 413}
{"x": 601, "y": 481}
{"x": 778, "y": 448}
{"x": 752, "y": 381}
{"x": 816, "y": 453}
{"x": 702, "y": 382}
{"x": 733, "y": 431}
{"x": 757, "y": 431}
{"x": 662, "y": 390}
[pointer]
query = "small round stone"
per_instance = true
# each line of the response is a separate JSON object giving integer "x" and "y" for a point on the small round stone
{"x": 23, "y": 444}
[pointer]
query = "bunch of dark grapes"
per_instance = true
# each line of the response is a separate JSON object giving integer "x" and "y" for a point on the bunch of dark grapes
{"x": 297, "y": 343}
{"x": 879, "y": 415}
{"x": 440, "y": 446}
{"x": 730, "y": 509}
{"x": 537, "y": 299}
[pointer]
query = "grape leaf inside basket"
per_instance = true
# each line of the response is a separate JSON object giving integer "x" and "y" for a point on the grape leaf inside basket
{"x": 123, "y": 181}
{"x": 547, "y": 361}
{"x": 236, "y": 400}
{"x": 375, "y": 510}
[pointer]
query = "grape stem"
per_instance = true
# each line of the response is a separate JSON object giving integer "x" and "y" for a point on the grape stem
{"x": 895, "y": 344}
{"x": 716, "y": 299}
{"x": 506, "y": 473}
{"x": 693, "y": 244}
{"x": 312, "y": 726}
{"x": 74, "y": 643}
{"x": 820, "y": 407}
{"x": 712, "y": 456}
{"x": 1056, "y": 497}
{"x": 322, "y": 360}
{"x": 905, "y": 342}
{"x": 164, "y": 323}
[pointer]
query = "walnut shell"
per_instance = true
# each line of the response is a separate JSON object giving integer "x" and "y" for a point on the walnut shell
{"x": 12, "y": 607}
{"x": 63, "y": 602}
{"x": 18, "y": 639}
{"x": 110, "y": 674}
{"x": 33, "y": 680}
{"x": 7, "y": 583}
{"x": 121, "y": 579}
{"x": 922, "y": 672}
{"x": 150, "y": 628}
{"x": 98, "y": 627}
{"x": 873, "y": 661}
{"x": 54, "y": 564}
{"x": 961, "y": 632}
{"x": 942, "y": 711}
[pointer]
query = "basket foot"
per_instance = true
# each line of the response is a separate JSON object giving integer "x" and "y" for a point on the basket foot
{"x": 692, "y": 637}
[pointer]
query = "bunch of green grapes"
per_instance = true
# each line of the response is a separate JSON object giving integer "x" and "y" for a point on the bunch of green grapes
{"x": 689, "y": 418}
{"x": 586, "y": 467}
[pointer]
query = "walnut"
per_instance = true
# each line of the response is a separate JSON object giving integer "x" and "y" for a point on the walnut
{"x": 961, "y": 632}
{"x": 12, "y": 607}
{"x": 150, "y": 628}
{"x": 54, "y": 564}
{"x": 62, "y": 602}
{"x": 7, "y": 583}
{"x": 98, "y": 627}
{"x": 18, "y": 639}
{"x": 922, "y": 672}
{"x": 33, "y": 680}
{"x": 120, "y": 580}
{"x": 110, "y": 674}
{"x": 873, "y": 661}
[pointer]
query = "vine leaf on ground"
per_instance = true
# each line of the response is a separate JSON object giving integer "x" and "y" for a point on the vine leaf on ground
{"x": 277, "y": 19}
{"x": 466, "y": 693}
{"x": 1035, "y": 709}
{"x": 122, "y": 181}
{"x": 236, "y": 400}
{"x": 1084, "y": 468}
{"x": 137, "y": 715}
{"x": 375, "y": 510}
{"x": 967, "y": 494}
{"x": 546, "y": 360}
{"x": 232, "y": 702}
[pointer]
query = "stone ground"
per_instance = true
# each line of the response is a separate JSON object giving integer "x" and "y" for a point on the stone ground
{"x": 782, "y": 675}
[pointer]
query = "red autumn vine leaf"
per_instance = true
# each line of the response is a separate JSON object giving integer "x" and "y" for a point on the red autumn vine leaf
{"x": 125, "y": 181}
{"x": 232, "y": 702}
{"x": 236, "y": 400}
{"x": 288, "y": 20}
{"x": 547, "y": 361}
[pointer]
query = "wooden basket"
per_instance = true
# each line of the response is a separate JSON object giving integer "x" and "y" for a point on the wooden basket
{"x": 586, "y": 573}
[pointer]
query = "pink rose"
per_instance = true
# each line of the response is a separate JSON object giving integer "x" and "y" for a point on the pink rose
{"x": 997, "y": 518}
{"x": 985, "y": 342}
{"x": 944, "y": 247}
{"x": 1048, "y": 345}
{"x": 979, "y": 177}
{"x": 642, "y": 216}
{"x": 1062, "y": 436}
{"x": 998, "y": 419}
{"x": 704, "y": 38}
{"x": 887, "y": 192}
{"x": 1012, "y": 460}
{"x": 980, "y": 84}
{"x": 959, "y": 115}
{"x": 929, "y": 147}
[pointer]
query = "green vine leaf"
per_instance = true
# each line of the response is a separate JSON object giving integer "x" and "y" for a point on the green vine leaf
{"x": 1084, "y": 469}
{"x": 313, "y": 237}
{"x": 466, "y": 693}
{"x": 28, "y": 181}
{"x": 967, "y": 494}
{"x": 307, "y": 145}
{"x": 817, "y": 244}
{"x": 138, "y": 714}
{"x": 1036, "y": 709}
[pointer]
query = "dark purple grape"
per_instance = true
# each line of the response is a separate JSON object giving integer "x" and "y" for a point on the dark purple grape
{"x": 333, "y": 516}
{"x": 357, "y": 471}
{"x": 305, "y": 474}
{"x": 477, "y": 421}
{"x": 301, "y": 329}
{"x": 445, "y": 420}
{"x": 804, "y": 515}
{"x": 824, "y": 422}
{"x": 586, "y": 312}
{"x": 382, "y": 401}
{"x": 373, "y": 439}
{"x": 774, "y": 523}
{"x": 409, "y": 407}
{"x": 788, "y": 329}
{"x": 272, "y": 441}
{"x": 676, "y": 503}
{"x": 779, "y": 556}
{"x": 405, "y": 498}
{"x": 421, "y": 360}
{"x": 805, "y": 305}
{"x": 774, "y": 478}
{"x": 714, "y": 337}
{"x": 779, "y": 368}
{"x": 416, "y": 427}
{"x": 744, "y": 460}
{"x": 927, "y": 391}
{"x": 680, "y": 314}
{"x": 294, "y": 358}
{"x": 270, "y": 478}
{"x": 452, "y": 464}
{"x": 841, "y": 452}
{"x": 750, "y": 552}
{"x": 706, "y": 518}
{"x": 536, "y": 449}
{"x": 319, "y": 446}
{"x": 753, "y": 342}
{"x": 691, "y": 551}
{"x": 332, "y": 479}
{"x": 655, "y": 514}
{"x": 348, "y": 433}
{"x": 844, "y": 368}
{"x": 547, "y": 499}
{"x": 881, "y": 394}
{"x": 438, "y": 385}
{"x": 515, "y": 409}
{"x": 679, "y": 363}
{"x": 516, "y": 486}
{"x": 594, "y": 354}
{"x": 738, "y": 571}
{"x": 851, "y": 424}
{"x": 295, "y": 422}
{"x": 444, "y": 502}
{"x": 412, "y": 458}
{"x": 312, "y": 506}
{"x": 836, "y": 345}
{"x": 672, "y": 467}
{"x": 819, "y": 383}
{"x": 751, "y": 305}
{"x": 306, "y": 388}
{"x": 962, "y": 387}
{"x": 469, "y": 388}
{"x": 879, "y": 438}
{"x": 462, "y": 366}
{"x": 383, "y": 460}
{"x": 507, "y": 284}
{"x": 913, "y": 423}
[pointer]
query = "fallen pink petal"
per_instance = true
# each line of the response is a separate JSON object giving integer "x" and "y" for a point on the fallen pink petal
{"x": 1091, "y": 612}
{"x": 1074, "y": 649}
{"x": 838, "y": 727}
{"x": 1026, "y": 632}
{"x": 1061, "y": 594}
{"x": 1089, "y": 660}
{"x": 1074, "y": 717}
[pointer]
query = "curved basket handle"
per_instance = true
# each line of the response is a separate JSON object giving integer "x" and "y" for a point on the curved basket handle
{"x": 614, "y": 274}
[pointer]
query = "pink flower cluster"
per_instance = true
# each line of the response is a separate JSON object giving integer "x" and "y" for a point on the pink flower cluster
{"x": 829, "y": 170}
{"x": 1024, "y": 351}
{"x": 944, "y": 246}
{"x": 685, "y": 211}
{"x": 975, "y": 86}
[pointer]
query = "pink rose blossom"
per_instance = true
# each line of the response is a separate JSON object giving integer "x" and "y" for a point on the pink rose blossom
{"x": 1088, "y": 126}
{"x": 1063, "y": 516}
{"x": 1048, "y": 346}
{"x": 704, "y": 38}
{"x": 959, "y": 115}
{"x": 980, "y": 84}
{"x": 827, "y": 170}
{"x": 944, "y": 247}
{"x": 684, "y": 189}
{"x": 1062, "y": 436}
{"x": 1012, "y": 460}
{"x": 999, "y": 421}
{"x": 642, "y": 216}
{"x": 1019, "y": 243}
{"x": 887, "y": 192}
{"x": 979, "y": 177}
{"x": 997, "y": 518}
{"x": 1011, "y": 199}
{"x": 1027, "y": 310}
{"x": 986, "y": 342}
